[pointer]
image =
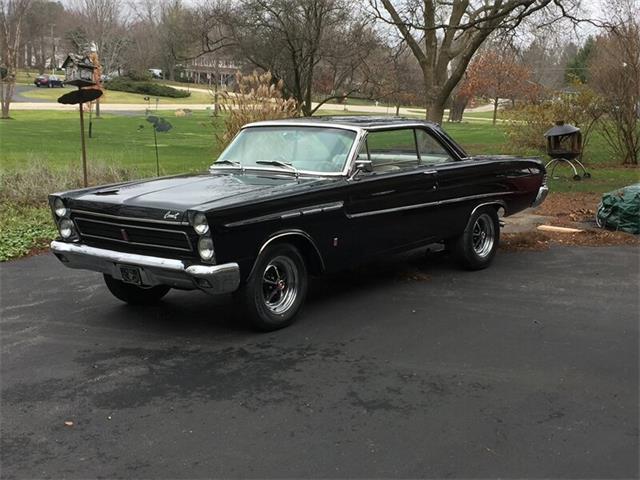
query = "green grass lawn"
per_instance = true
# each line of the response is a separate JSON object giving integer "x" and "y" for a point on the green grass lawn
{"x": 54, "y": 137}
{"x": 112, "y": 96}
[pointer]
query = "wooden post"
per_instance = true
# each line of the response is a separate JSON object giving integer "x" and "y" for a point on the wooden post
{"x": 84, "y": 149}
{"x": 155, "y": 140}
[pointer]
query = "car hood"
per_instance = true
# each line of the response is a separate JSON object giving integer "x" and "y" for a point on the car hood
{"x": 197, "y": 192}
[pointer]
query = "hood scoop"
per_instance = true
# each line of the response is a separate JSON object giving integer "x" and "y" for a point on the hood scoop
{"x": 113, "y": 191}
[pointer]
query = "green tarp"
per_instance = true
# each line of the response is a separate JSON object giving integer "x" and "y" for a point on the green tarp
{"x": 620, "y": 209}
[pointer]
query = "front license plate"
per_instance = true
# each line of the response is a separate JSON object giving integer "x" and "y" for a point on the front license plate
{"x": 131, "y": 275}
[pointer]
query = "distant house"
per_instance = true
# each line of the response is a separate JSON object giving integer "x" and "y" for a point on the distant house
{"x": 211, "y": 69}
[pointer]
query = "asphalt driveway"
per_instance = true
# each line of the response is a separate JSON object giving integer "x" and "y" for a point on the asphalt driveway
{"x": 409, "y": 369}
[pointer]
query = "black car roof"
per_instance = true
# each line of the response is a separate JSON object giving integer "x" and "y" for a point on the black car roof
{"x": 363, "y": 121}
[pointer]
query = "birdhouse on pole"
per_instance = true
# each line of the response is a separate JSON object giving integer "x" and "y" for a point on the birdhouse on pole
{"x": 79, "y": 70}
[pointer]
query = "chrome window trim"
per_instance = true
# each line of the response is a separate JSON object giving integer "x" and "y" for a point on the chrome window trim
{"x": 360, "y": 132}
{"x": 133, "y": 219}
{"x": 179, "y": 232}
{"x": 311, "y": 210}
{"x": 428, "y": 204}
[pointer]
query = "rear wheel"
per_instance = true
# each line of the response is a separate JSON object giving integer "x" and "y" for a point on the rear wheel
{"x": 275, "y": 291}
{"x": 477, "y": 245}
{"x": 133, "y": 294}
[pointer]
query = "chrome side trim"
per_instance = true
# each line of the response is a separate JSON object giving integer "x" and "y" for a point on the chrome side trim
{"x": 497, "y": 202}
{"x": 312, "y": 210}
{"x": 427, "y": 204}
{"x": 288, "y": 233}
{"x": 178, "y": 232}
{"x": 133, "y": 219}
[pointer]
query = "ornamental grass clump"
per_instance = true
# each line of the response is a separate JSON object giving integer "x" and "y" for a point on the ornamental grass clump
{"x": 257, "y": 97}
{"x": 31, "y": 185}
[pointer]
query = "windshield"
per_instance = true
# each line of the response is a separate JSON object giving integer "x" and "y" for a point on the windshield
{"x": 312, "y": 149}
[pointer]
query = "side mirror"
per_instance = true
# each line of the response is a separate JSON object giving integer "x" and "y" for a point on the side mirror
{"x": 364, "y": 166}
{"x": 361, "y": 166}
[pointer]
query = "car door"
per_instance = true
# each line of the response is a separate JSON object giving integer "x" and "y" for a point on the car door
{"x": 388, "y": 207}
{"x": 463, "y": 183}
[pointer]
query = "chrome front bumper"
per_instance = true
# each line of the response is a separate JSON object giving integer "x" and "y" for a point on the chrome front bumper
{"x": 214, "y": 279}
{"x": 542, "y": 194}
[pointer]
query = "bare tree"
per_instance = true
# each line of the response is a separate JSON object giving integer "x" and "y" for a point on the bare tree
{"x": 398, "y": 79}
{"x": 615, "y": 75}
{"x": 44, "y": 18}
{"x": 444, "y": 36}
{"x": 12, "y": 13}
{"x": 344, "y": 66}
{"x": 291, "y": 39}
{"x": 100, "y": 22}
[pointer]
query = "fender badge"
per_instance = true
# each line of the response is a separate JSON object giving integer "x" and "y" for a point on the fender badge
{"x": 171, "y": 215}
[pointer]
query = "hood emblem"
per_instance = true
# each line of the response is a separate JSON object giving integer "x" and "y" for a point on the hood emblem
{"x": 171, "y": 215}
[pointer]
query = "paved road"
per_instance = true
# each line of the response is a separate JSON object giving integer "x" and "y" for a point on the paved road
{"x": 417, "y": 369}
{"x": 25, "y": 103}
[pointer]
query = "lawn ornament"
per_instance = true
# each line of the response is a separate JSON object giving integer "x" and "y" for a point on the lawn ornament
{"x": 564, "y": 145}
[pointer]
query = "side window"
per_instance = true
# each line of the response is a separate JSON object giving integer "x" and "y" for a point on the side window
{"x": 392, "y": 150}
{"x": 431, "y": 151}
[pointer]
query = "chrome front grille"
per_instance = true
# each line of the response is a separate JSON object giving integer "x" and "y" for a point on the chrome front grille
{"x": 103, "y": 231}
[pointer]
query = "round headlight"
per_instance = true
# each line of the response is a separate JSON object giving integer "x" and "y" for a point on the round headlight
{"x": 59, "y": 208}
{"x": 66, "y": 228}
{"x": 205, "y": 248}
{"x": 200, "y": 223}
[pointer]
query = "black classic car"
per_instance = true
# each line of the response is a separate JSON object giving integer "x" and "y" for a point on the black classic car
{"x": 292, "y": 198}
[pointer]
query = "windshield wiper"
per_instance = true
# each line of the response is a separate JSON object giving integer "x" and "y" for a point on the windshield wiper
{"x": 278, "y": 163}
{"x": 233, "y": 163}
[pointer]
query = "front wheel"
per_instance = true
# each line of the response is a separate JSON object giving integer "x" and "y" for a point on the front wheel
{"x": 133, "y": 294}
{"x": 477, "y": 245}
{"x": 276, "y": 289}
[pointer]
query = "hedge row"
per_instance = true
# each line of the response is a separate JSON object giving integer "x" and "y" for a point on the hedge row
{"x": 145, "y": 88}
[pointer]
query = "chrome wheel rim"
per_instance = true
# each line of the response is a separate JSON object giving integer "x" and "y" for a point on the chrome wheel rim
{"x": 280, "y": 284}
{"x": 483, "y": 235}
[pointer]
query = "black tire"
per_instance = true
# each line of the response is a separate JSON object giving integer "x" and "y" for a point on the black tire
{"x": 134, "y": 295}
{"x": 275, "y": 292}
{"x": 477, "y": 245}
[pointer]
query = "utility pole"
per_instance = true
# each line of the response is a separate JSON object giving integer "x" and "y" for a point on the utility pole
{"x": 53, "y": 64}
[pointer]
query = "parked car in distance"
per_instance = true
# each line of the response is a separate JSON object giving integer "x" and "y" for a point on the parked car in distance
{"x": 50, "y": 81}
{"x": 292, "y": 198}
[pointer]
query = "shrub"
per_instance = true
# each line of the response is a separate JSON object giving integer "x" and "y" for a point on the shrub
{"x": 24, "y": 229}
{"x": 257, "y": 98}
{"x": 145, "y": 88}
{"x": 30, "y": 185}
{"x": 527, "y": 123}
{"x": 25, "y": 217}
{"x": 139, "y": 75}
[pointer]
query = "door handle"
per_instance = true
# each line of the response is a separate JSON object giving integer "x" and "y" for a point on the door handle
{"x": 430, "y": 172}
